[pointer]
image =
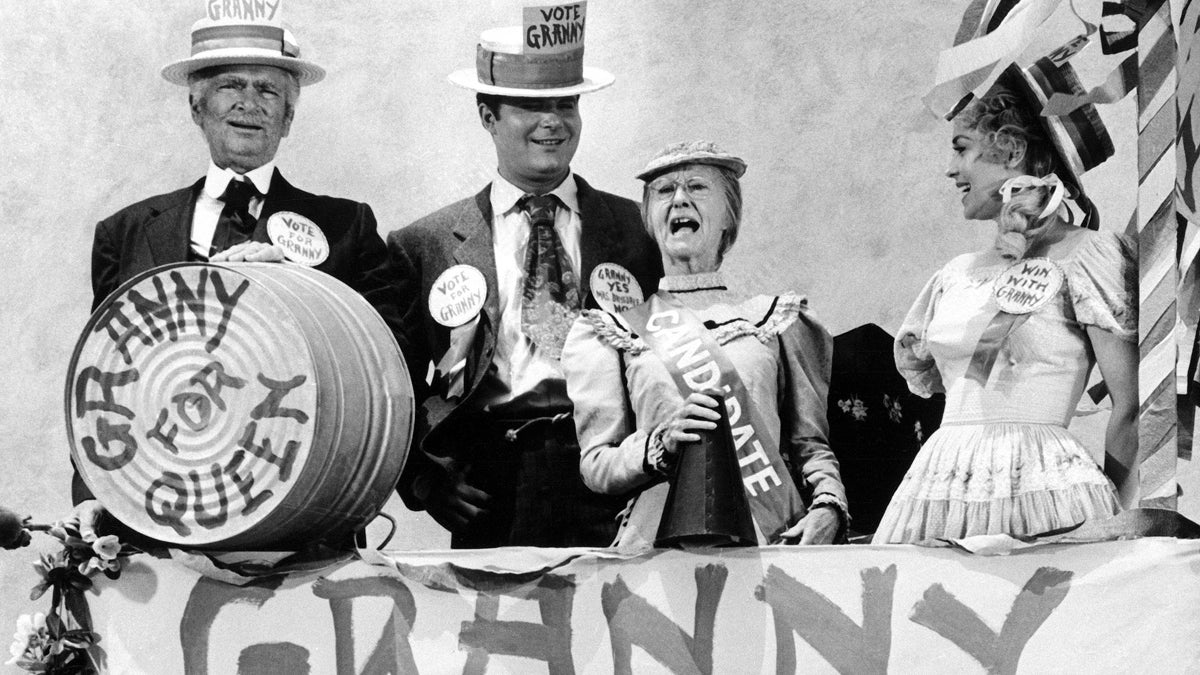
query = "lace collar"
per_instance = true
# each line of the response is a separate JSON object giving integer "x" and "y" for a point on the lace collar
{"x": 687, "y": 283}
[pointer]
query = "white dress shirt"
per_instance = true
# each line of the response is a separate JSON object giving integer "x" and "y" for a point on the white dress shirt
{"x": 209, "y": 204}
{"x": 519, "y": 368}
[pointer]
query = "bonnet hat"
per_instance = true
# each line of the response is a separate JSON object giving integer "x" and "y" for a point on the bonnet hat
{"x": 691, "y": 152}
{"x": 1080, "y": 139}
{"x": 543, "y": 58}
{"x": 236, "y": 41}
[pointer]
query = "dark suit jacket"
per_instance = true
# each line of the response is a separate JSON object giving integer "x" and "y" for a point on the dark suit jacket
{"x": 157, "y": 231}
{"x": 462, "y": 234}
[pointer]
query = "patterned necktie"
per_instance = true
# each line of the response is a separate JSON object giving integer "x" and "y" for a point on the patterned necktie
{"x": 550, "y": 296}
{"x": 235, "y": 225}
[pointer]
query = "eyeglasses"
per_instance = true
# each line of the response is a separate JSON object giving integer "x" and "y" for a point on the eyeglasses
{"x": 664, "y": 189}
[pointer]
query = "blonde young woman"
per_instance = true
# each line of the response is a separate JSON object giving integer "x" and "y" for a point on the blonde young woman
{"x": 1010, "y": 334}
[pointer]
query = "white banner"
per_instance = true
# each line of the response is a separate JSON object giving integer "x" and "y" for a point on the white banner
{"x": 1115, "y": 607}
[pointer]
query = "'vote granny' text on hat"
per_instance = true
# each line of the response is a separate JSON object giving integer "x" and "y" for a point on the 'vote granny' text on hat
{"x": 235, "y": 41}
{"x": 542, "y": 58}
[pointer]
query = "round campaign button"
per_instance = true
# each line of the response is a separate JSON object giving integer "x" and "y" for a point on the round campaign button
{"x": 300, "y": 238}
{"x": 1027, "y": 285}
{"x": 457, "y": 296}
{"x": 615, "y": 288}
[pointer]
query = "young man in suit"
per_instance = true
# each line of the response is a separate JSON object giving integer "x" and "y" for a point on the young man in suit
{"x": 492, "y": 284}
{"x": 243, "y": 79}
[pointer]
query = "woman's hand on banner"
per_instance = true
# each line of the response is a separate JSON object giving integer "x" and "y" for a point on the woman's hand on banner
{"x": 819, "y": 526}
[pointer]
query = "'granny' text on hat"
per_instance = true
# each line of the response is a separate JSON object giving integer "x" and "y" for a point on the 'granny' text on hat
{"x": 245, "y": 10}
{"x": 541, "y": 58}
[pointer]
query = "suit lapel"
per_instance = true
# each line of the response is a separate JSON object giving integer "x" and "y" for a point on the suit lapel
{"x": 473, "y": 228}
{"x": 281, "y": 196}
{"x": 597, "y": 237}
{"x": 169, "y": 231}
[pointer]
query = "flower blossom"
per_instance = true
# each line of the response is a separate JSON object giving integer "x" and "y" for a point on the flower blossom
{"x": 107, "y": 547}
{"x": 29, "y": 630}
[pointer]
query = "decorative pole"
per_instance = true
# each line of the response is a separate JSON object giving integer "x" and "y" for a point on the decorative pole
{"x": 1158, "y": 280}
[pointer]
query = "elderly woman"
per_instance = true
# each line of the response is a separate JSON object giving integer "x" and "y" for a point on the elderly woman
{"x": 1010, "y": 333}
{"x": 640, "y": 380}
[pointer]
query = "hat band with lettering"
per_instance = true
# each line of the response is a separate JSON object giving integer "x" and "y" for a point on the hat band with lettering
{"x": 529, "y": 71}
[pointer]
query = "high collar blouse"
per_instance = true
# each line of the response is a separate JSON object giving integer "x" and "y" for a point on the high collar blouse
{"x": 622, "y": 392}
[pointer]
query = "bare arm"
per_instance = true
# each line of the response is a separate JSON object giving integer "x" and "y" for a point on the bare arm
{"x": 1118, "y": 364}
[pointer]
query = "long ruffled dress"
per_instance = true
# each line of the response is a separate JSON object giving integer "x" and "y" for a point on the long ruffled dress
{"x": 1003, "y": 460}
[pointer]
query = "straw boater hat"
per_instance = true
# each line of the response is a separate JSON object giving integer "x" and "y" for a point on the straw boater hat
{"x": 232, "y": 42}
{"x": 1081, "y": 141}
{"x": 502, "y": 67}
{"x": 690, "y": 152}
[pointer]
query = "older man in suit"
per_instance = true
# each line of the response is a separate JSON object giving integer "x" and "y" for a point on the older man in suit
{"x": 493, "y": 283}
{"x": 243, "y": 77}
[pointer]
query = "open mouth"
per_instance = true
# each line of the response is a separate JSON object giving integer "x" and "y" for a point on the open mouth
{"x": 245, "y": 126}
{"x": 550, "y": 142}
{"x": 681, "y": 223}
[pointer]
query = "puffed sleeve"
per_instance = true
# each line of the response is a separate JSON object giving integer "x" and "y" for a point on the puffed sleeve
{"x": 806, "y": 358}
{"x": 1102, "y": 278}
{"x": 612, "y": 449}
{"x": 911, "y": 349}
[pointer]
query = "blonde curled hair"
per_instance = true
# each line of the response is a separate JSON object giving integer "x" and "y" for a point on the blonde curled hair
{"x": 1031, "y": 206}
{"x": 1010, "y": 126}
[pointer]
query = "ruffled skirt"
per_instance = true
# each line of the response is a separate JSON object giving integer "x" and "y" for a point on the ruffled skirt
{"x": 1019, "y": 479}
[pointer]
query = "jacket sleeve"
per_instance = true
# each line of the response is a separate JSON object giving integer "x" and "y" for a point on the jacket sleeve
{"x": 106, "y": 263}
{"x": 402, "y": 270}
{"x": 612, "y": 448}
{"x": 371, "y": 275}
{"x": 806, "y": 357}
{"x": 106, "y": 270}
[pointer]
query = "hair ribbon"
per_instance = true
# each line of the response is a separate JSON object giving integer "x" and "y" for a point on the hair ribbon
{"x": 1057, "y": 190}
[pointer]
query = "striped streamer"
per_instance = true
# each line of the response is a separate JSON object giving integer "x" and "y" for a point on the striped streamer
{"x": 1158, "y": 272}
{"x": 1187, "y": 156}
{"x": 1188, "y": 104}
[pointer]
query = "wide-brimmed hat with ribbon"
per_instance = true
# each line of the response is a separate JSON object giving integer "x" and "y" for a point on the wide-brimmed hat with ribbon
{"x": 690, "y": 152}
{"x": 1080, "y": 139}
{"x": 227, "y": 42}
{"x": 543, "y": 58}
